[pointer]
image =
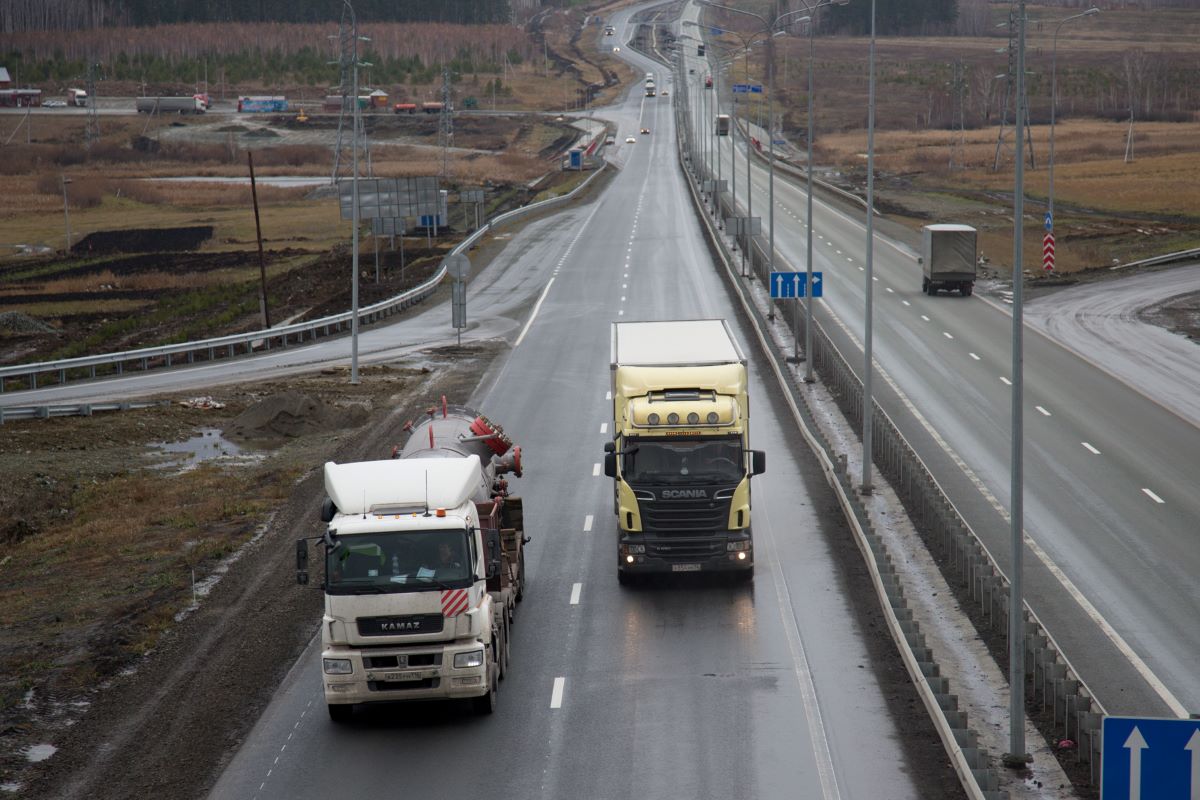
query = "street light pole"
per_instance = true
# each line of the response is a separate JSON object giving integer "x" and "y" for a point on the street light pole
{"x": 808, "y": 309}
{"x": 868, "y": 367}
{"x": 1054, "y": 106}
{"x": 1017, "y": 756}
{"x": 66, "y": 211}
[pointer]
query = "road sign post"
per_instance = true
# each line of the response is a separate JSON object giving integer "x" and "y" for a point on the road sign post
{"x": 1048, "y": 252}
{"x": 1150, "y": 759}
{"x": 457, "y": 267}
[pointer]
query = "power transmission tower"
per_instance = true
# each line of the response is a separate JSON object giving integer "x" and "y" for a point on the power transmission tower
{"x": 1010, "y": 98}
{"x": 445, "y": 125}
{"x": 91, "y": 130}
{"x": 349, "y": 160}
{"x": 958, "y": 85}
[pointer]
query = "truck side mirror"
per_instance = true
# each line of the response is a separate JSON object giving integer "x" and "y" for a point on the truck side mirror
{"x": 920, "y": 260}
{"x": 302, "y": 562}
{"x": 494, "y": 555}
{"x": 610, "y": 465}
{"x": 610, "y": 447}
{"x": 328, "y": 509}
{"x": 758, "y": 462}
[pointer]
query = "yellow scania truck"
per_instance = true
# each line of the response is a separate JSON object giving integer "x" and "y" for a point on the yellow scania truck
{"x": 680, "y": 456}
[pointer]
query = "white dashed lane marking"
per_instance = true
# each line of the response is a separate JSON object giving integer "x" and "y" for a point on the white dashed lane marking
{"x": 1042, "y": 411}
{"x": 587, "y": 522}
{"x": 1007, "y": 382}
{"x": 1153, "y": 496}
{"x": 556, "y": 696}
{"x": 575, "y": 591}
{"x": 1090, "y": 449}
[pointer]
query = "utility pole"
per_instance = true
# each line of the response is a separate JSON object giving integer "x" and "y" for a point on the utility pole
{"x": 446, "y": 123}
{"x": 91, "y": 131}
{"x": 1014, "y": 87}
{"x": 345, "y": 156}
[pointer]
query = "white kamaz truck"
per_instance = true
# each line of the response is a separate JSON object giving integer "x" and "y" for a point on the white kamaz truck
{"x": 423, "y": 567}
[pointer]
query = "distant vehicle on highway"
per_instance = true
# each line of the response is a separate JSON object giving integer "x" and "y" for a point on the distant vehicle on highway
{"x": 75, "y": 97}
{"x": 616, "y": 49}
{"x": 645, "y": 130}
{"x": 722, "y": 124}
{"x": 630, "y": 140}
{"x": 663, "y": 93}
{"x": 168, "y": 105}
{"x": 54, "y": 104}
{"x": 948, "y": 259}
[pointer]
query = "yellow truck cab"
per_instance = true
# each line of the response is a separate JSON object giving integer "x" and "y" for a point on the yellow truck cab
{"x": 680, "y": 456}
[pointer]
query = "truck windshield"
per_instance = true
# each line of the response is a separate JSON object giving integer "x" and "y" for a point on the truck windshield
{"x": 407, "y": 561}
{"x": 710, "y": 461}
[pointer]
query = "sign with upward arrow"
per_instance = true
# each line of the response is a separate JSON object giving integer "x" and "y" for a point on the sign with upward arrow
{"x": 1150, "y": 759}
{"x": 794, "y": 284}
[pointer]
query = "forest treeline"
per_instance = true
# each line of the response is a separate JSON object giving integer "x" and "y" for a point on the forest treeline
{"x": 18, "y": 16}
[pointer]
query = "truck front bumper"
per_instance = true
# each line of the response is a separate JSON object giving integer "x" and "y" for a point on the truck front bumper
{"x": 382, "y": 675}
{"x": 642, "y": 555}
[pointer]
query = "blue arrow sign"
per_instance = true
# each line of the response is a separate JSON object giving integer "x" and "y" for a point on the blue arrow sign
{"x": 1049, "y": 222}
{"x": 1150, "y": 759}
{"x": 792, "y": 285}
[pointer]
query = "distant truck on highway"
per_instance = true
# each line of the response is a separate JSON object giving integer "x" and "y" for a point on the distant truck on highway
{"x": 77, "y": 97}
{"x": 169, "y": 105}
{"x": 948, "y": 258}
{"x": 680, "y": 455}
{"x": 262, "y": 104}
{"x": 722, "y": 124}
{"x": 424, "y": 565}
{"x": 650, "y": 90}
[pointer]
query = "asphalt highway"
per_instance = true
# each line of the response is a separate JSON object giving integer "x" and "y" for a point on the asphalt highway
{"x": 691, "y": 689}
{"x": 1110, "y": 504}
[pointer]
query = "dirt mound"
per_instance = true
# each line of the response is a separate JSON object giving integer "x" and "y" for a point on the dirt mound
{"x": 145, "y": 240}
{"x": 291, "y": 414}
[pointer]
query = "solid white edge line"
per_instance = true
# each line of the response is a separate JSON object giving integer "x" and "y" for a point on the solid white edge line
{"x": 1153, "y": 496}
{"x": 1090, "y": 449}
{"x": 587, "y": 522}
{"x": 533, "y": 316}
{"x": 556, "y": 696}
{"x": 576, "y": 589}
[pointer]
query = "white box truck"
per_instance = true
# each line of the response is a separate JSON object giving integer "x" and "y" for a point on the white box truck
{"x": 948, "y": 258}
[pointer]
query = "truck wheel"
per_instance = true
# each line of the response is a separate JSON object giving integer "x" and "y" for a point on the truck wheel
{"x": 521, "y": 575}
{"x": 341, "y": 713}
{"x": 924, "y": 285}
{"x": 505, "y": 644}
{"x": 625, "y": 578}
{"x": 966, "y": 289}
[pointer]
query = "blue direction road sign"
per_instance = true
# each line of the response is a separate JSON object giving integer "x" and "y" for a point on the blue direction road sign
{"x": 1150, "y": 759}
{"x": 756, "y": 88}
{"x": 741, "y": 88}
{"x": 1049, "y": 222}
{"x": 792, "y": 284}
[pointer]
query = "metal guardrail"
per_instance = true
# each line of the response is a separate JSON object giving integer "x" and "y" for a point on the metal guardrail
{"x": 961, "y": 555}
{"x": 1165, "y": 258}
{"x": 8, "y": 413}
{"x": 261, "y": 341}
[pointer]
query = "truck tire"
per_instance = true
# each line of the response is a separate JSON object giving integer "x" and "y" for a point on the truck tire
{"x": 625, "y": 578}
{"x": 966, "y": 289}
{"x": 924, "y": 285}
{"x": 507, "y": 647}
{"x": 341, "y": 713}
{"x": 521, "y": 575}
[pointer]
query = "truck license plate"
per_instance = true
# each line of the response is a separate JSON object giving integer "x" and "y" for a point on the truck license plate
{"x": 401, "y": 676}
{"x": 685, "y": 568}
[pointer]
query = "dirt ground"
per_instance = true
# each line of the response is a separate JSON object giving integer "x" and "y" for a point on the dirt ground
{"x": 109, "y": 659}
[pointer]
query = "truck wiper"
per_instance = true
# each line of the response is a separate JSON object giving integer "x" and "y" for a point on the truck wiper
{"x": 435, "y": 582}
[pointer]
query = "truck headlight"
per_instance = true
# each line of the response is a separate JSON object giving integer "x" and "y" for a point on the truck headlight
{"x": 740, "y": 544}
{"x": 338, "y": 666}
{"x": 471, "y": 659}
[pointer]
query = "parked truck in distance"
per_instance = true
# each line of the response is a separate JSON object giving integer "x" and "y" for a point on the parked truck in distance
{"x": 168, "y": 105}
{"x": 722, "y": 124}
{"x": 680, "y": 456}
{"x": 424, "y": 564}
{"x": 948, "y": 258}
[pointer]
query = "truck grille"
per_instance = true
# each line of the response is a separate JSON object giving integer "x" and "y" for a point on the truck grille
{"x": 686, "y": 549}
{"x": 400, "y": 626}
{"x": 684, "y": 516}
{"x": 410, "y": 660}
{"x": 397, "y": 686}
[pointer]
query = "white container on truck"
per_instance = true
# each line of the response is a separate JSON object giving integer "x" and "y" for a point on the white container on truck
{"x": 722, "y": 124}
{"x": 424, "y": 565}
{"x": 680, "y": 453}
{"x": 948, "y": 258}
{"x": 169, "y": 105}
